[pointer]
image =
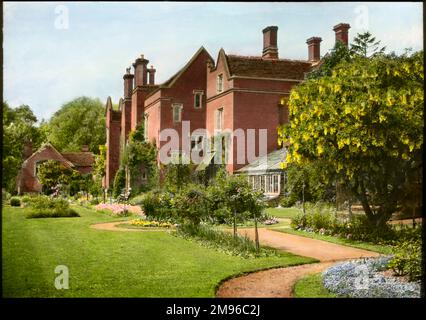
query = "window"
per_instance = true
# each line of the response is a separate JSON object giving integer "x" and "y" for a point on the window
{"x": 198, "y": 99}
{"x": 219, "y": 83}
{"x": 177, "y": 112}
{"x": 145, "y": 128}
{"x": 219, "y": 119}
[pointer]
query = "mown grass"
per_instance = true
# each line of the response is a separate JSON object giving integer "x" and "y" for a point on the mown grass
{"x": 311, "y": 287}
{"x": 283, "y": 212}
{"x": 111, "y": 263}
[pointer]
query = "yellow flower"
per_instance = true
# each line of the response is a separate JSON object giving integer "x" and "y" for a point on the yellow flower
{"x": 320, "y": 149}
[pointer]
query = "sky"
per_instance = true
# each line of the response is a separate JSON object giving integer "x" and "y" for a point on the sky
{"x": 55, "y": 52}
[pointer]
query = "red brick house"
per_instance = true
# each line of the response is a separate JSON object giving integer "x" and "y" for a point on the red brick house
{"x": 27, "y": 178}
{"x": 233, "y": 92}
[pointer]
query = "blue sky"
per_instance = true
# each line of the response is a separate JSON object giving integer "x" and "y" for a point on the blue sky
{"x": 45, "y": 66}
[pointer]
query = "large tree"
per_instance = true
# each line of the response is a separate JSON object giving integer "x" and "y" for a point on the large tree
{"x": 366, "y": 120}
{"x": 19, "y": 128}
{"x": 77, "y": 123}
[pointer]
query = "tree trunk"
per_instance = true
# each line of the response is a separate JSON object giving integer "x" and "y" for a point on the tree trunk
{"x": 256, "y": 235}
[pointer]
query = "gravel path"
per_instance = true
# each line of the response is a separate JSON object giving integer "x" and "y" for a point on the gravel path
{"x": 280, "y": 282}
{"x": 112, "y": 226}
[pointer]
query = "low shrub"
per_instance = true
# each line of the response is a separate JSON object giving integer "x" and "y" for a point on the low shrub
{"x": 222, "y": 241}
{"x": 52, "y": 213}
{"x": 15, "y": 202}
{"x": 288, "y": 201}
{"x": 46, "y": 207}
{"x": 137, "y": 200}
{"x": 407, "y": 259}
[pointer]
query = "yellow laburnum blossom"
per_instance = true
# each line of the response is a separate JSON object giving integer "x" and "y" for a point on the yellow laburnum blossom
{"x": 332, "y": 130}
{"x": 306, "y": 136}
{"x": 405, "y": 156}
{"x": 325, "y": 131}
{"x": 337, "y": 88}
{"x": 320, "y": 149}
{"x": 296, "y": 146}
{"x": 347, "y": 109}
{"x": 382, "y": 118}
{"x": 340, "y": 144}
{"x": 347, "y": 141}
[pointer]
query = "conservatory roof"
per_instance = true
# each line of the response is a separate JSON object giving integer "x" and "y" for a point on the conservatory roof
{"x": 270, "y": 162}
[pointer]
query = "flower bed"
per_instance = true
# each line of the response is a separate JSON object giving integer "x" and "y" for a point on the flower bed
{"x": 363, "y": 278}
{"x": 150, "y": 224}
{"x": 119, "y": 209}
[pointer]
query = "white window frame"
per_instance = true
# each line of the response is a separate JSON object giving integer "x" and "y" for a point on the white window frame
{"x": 219, "y": 119}
{"x": 145, "y": 128}
{"x": 200, "y": 94}
{"x": 174, "y": 107}
{"x": 219, "y": 83}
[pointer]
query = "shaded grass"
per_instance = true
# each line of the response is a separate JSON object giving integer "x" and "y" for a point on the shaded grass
{"x": 112, "y": 264}
{"x": 384, "y": 249}
{"x": 311, "y": 287}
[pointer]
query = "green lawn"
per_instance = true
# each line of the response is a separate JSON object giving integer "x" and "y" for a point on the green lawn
{"x": 346, "y": 242}
{"x": 283, "y": 212}
{"x": 111, "y": 263}
{"x": 311, "y": 287}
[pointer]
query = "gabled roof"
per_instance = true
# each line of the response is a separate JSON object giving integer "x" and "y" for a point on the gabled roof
{"x": 270, "y": 162}
{"x": 257, "y": 67}
{"x": 80, "y": 159}
{"x": 50, "y": 146}
{"x": 172, "y": 80}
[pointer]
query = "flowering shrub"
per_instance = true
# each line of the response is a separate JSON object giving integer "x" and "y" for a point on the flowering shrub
{"x": 42, "y": 206}
{"x": 119, "y": 210}
{"x": 270, "y": 221}
{"x": 407, "y": 259}
{"x": 362, "y": 279}
{"x": 150, "y": 224}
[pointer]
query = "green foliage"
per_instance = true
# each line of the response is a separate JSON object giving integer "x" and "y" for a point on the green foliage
{"x": 177, "y": 174}
{"x": 407, "y": 259}
{"x": 140, "y": 157}
{"x": 365, "y": 121}
{"x": 157, "y": 205}
{"x": 19, "y": 128}
{"x": 100, "y": 163}
{"x": 77, "y": 123}
{"x": 191, "y": 204}
{"x": 47, "y": 207}
{"x": 310, "y": 182}
{"x": 223, "y": 241}
{"x": 366, "y": 45}
{"x": 119, "y": 182}
{"x": 5, "y": 196}
{"x": 15, "y": 202}
{"x": 53, "y": 173}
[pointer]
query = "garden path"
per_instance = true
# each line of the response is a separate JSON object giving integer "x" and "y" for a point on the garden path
{"x": 112, "y": 226}
{"x": 280, "y": 282}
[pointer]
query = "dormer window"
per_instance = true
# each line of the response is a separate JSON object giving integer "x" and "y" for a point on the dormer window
{"x": 219, "y": 83}
{"x": 198, "y": 99}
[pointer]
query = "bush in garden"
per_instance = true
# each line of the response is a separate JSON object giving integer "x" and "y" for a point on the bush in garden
{"x": 191, "y": 204}
{"x": 5, "y": 196}
{"x": 150, "y": 203}
{"x": 288, "y": 201}
{"x": 46, "y": 207}
{"x": 15, "y": 202}
{"x": 407, "y": 259}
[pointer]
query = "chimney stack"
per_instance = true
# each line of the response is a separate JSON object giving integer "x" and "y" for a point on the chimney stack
{"x": 128, "y": 84}
{"x": 341, "y": 31}
{"x": 140, "y": 71}
{"x": 151, "y": 72}
{"x": 314, "y": 52}
{"x": 270, "y": 49}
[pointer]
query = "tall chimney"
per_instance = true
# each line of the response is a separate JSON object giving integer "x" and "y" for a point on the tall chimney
{"x": 314, "y": 51}
{"x": 140, "y": 71}
{"x": 341, "y": 31}
{"x": 128, "y": 84}
{"x": 270, "y": 49}
{"x": 151, "y": 72}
